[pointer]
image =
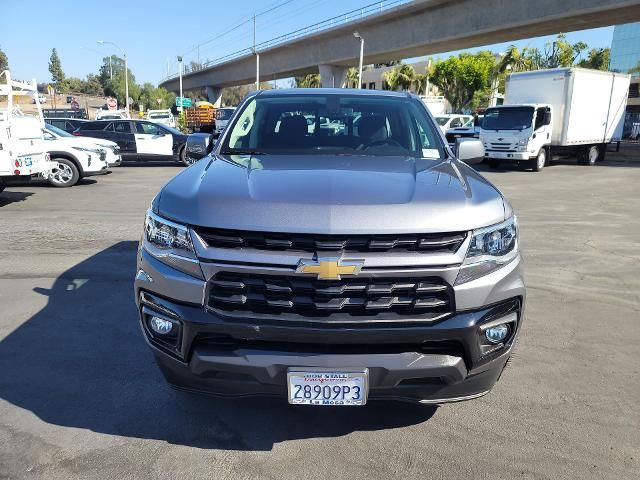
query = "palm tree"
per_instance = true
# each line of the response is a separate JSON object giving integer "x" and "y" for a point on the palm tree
{"x": 401, "y": 77}
{"x": 514, "y": 60}
{"x": 352, "y": 77}
{"x": 308, "y": 81}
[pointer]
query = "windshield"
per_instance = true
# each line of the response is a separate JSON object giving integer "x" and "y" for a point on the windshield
{"x": 172, "y": 130}
{"x": 509, "y": 118}
{"x": 159, "y": 115}
{"x": 57, "y": 131}
{"x": 224, "y": 113}
{"x": 333, "y": 123}
{"x": 110, "y": 117}
{"x": 442, "y": 121}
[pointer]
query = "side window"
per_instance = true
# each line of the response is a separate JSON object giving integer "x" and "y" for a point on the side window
{"x": 147, "y": 129}
{"x": 455, "y": 123}
{"x": 108, "y": 128}
{"x": 424, "y": 139}
{"x": 539, "y": 117}
{"x": 121, "y": 127}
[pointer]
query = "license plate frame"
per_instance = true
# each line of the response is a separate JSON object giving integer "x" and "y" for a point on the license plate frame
{"x": 328, "y": 377}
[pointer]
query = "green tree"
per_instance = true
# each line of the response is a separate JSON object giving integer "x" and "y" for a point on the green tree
{"x": 116, "y": 87}
{"x": 232, "y": 96}
{"x": 55, "y": 68}
{"x": 308, "y": 81}
{"x": 515, "y": 61}
{"x": 352, "y": 77}
{"x": 597, "y": 59}
{"x": 459, "y": 78}
{"x": 92, "y": 85}
{"x": 110, "y": 65}
{"x": 401, "y": 77}
{"x": 4, "y": 61}
{"x": 152, "y": 97}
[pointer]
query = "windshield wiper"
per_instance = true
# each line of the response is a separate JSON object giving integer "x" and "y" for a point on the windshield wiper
{"x": 240, "y": 151}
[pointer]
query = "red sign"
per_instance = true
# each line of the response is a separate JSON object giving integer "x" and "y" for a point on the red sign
{"x": 112, "y": 103}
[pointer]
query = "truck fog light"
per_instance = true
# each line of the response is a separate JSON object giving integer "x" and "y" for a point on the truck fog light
{"x": 497, "y": 334}
{"x": 160, "y": 326}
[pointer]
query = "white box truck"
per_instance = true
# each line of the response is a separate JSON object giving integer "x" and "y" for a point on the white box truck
{"x": 562, "y": 111}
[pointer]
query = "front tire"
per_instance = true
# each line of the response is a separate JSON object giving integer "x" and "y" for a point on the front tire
{"x": 182, "y": 156}
{"x": 540, "y": 161}
{"x": 64, "y": 173}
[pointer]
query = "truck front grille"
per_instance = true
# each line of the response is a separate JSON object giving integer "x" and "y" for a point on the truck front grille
{"x": 426, "y": 297}
{"x": 441, "y": 242}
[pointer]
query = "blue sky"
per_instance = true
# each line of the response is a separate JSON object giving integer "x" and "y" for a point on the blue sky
{"x": 151, "y": 35}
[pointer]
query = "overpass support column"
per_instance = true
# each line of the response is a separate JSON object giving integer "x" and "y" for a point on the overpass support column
{"x": 214, "y": 94}
{"x": 333, "y": 76}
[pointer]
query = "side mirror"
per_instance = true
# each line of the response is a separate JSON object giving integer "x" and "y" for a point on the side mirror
{"x": 547, "y": 118}
{"x": 469, "y": 150}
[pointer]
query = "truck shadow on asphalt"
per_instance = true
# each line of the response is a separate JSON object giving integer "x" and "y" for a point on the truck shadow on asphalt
{"x": 82, "y": 362}
{"x": 7, "y": 198}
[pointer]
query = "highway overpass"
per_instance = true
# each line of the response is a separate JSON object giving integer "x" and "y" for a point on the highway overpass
{"x": 409, "y": 29}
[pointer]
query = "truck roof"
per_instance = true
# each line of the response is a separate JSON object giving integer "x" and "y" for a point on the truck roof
{"x": 336, "y": 91}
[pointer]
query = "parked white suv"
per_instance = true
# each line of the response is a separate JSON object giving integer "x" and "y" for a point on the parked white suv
{"x": 164, "y": 117}
{"x": 111, "y": 115}
{"x": 73, "y": 158}
{"x": 452, "y": 121}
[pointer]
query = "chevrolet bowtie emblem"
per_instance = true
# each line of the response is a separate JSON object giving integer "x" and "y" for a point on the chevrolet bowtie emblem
{"x": 329, "y": 268}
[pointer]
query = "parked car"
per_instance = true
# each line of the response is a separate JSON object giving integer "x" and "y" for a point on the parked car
{"x": 111, "y": 115}
{"x": 223, "y": 115}
{"x": 452, "y": 121}
{"x": 139, "y": 139}
{"x": 332, "y": 269}
{"x": 471, "y": 129}
{"x": 78, "y": 113}
{"x": 162, "y": 117}
{"x": 112, "y": 149}
{"x": 72, "y": 158}
{"x": 66, "y": 124}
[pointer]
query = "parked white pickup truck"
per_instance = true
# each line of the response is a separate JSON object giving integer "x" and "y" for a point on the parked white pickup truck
{"x": 22, "y": 148}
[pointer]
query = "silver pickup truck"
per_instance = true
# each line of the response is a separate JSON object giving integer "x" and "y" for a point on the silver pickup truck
{"x": 332, "y": 266}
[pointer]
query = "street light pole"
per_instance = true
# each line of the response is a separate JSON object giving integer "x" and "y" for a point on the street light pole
{"x": 359, "y": 37}
{"x": 126, "y": 71}
{"x": 256, "y": 54}
{"x": 180, "y": 73}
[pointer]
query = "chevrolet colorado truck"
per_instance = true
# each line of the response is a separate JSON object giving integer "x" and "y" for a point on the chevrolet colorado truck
{"x": 332, "y": 267}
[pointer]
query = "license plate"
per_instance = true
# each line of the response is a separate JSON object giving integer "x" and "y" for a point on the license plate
{"x": 343, "y": 388}
{"x": 27, "y": 161}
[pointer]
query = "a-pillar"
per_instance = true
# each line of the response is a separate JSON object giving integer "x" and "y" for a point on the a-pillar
{"x": 333, "y": 76}
{"x": 214, "y": 94}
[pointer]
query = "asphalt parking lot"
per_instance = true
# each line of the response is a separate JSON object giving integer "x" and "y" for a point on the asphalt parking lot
{"x": 80, "y": 396}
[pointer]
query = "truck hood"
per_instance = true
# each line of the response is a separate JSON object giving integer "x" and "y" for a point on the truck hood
{"x": 331, "y": 194}
{"x": 84, "y": 142}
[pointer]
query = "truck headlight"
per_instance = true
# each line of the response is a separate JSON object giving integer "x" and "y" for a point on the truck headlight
{"x": 522, "y": 145}
{"x": 490, "y": 248}
{"x": 88, "y": 150}
{"x": 170, "y": 243}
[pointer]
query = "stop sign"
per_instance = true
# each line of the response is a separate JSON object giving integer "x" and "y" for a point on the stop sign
{"x": 112, "y": 104}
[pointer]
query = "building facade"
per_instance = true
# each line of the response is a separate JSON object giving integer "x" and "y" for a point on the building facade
{"x": 625, "y": 47}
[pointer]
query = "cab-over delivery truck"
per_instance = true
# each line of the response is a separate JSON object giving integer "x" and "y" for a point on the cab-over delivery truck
{"x": 562, "y": 111}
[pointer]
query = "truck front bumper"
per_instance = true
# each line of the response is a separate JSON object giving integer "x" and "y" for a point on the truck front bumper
{"x": 516, "y": 156}
{"x": 431, "y": 362}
